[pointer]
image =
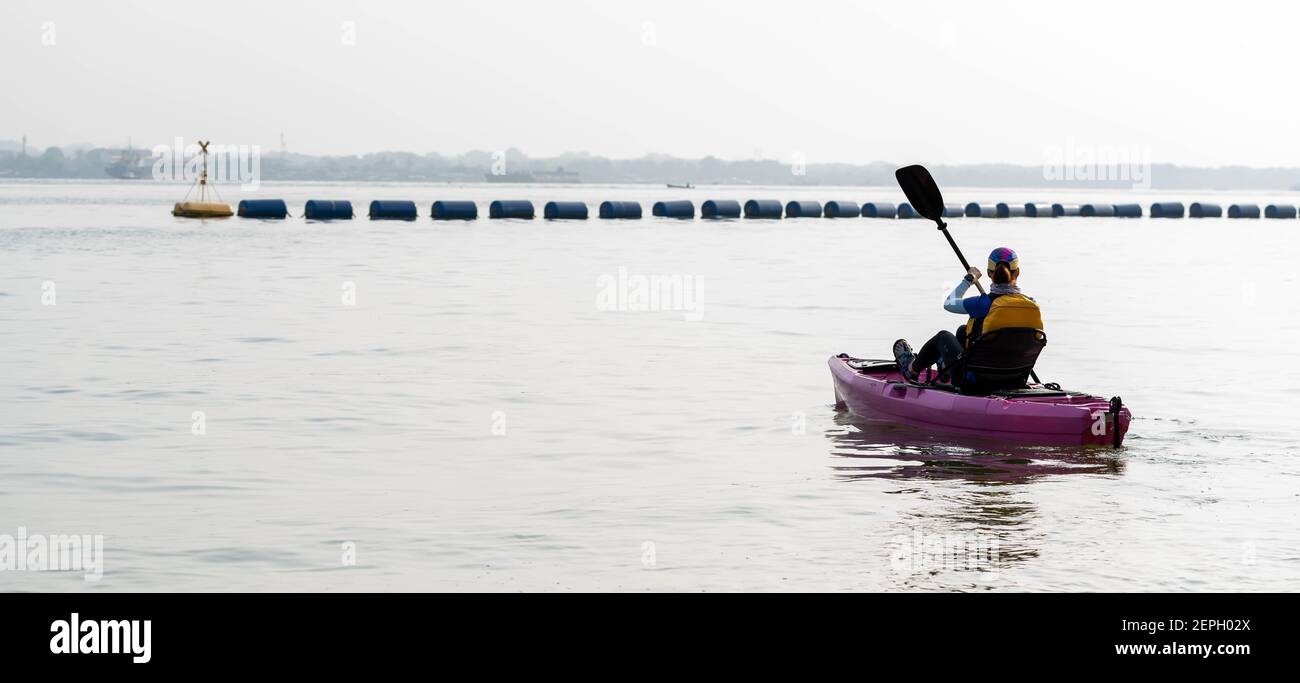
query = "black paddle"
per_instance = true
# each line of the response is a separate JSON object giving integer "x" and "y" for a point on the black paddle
{"x": 924, "y": 196}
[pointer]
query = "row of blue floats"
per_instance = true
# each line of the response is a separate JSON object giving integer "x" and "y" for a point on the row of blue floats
{"x": 318, "y": 209}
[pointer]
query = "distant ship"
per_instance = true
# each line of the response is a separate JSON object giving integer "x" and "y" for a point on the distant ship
{"x": 687, "y": 186}
{"x": 130, "y": 164}
{"x": 559, "y": 175}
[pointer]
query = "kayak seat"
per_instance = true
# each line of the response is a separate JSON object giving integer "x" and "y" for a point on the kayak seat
{"x": 1002, "y": 359}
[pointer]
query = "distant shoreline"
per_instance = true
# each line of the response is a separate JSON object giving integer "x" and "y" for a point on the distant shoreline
{"x": 581, "y": 169}
{"x": 700, "y": 192}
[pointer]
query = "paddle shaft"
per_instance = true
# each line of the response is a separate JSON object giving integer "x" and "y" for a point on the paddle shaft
{"x": 943, "y": 227}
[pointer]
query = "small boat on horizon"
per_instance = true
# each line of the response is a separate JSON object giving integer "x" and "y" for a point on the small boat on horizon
{"x": 687, "y": 186}
{"x": 130, "y": 164}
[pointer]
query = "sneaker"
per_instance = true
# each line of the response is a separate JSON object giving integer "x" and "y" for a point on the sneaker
{"x": 903, "y": 356}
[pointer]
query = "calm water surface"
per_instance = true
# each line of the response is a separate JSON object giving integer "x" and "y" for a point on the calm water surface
{"x": 474, "y": 421}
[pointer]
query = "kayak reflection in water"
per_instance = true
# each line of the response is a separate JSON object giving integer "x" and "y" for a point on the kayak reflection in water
{"x": 870, "y": 449}
{"x": 1004, "y": 309}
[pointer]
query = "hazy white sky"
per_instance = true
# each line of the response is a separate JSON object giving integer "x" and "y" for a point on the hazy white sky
{"x": 944, "y": 82}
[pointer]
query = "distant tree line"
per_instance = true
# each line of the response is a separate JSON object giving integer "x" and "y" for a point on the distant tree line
{"x": 53, "y": 162}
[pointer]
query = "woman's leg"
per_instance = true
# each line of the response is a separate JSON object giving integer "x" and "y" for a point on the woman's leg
{"x": 943, "y": 348}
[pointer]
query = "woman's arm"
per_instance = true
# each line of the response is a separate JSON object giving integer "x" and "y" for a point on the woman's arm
{"x": 976, "y": 306}
{"x": 954, "y": 303}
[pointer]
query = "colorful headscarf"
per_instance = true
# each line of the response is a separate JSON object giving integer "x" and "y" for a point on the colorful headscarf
{"x": 1005, "y": 255}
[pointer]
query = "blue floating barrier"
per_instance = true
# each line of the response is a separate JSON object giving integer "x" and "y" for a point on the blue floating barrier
{"x": 1279, "y": 211}
{"x": 1059, "y": 210}
{"x": 1097, "y": 210}
{"x": 1243, "y": 211}
{"x": 262, "y": 208}
{"x": 682, "y": 208}
{"x": 720, "y": 208}
{"x": 762, "y": 208}
{"x": 954, "y": 210}
{"x": 511, "y": 208}
{"x": 843, "y": 210}
{"x": 1036, "y": 210}
{"x": 905, "y": 210}
{"x": 803, "y": 209}
{"x": 327, "y": 210}
{"x": 974, "y": 210}
{"x": 454, "y": 211}
{"x": 1167, "y": 210}
{"x": 569, "y": 211}
{"x": 1203, "y": 210}
{"x": 620, "y": 210}
{"x": 1005, "y": 210}
{"x": 393, "y": 210}
{"x": 879, "y": 210}
{"x": 1128, "y": 210}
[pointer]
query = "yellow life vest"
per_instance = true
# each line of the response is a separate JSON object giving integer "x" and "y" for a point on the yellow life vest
{"x": 1006, "y": 310}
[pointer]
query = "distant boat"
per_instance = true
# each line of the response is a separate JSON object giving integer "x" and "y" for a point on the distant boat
{"x": 130, "y": 164}
{"x": 559, "y": 175}
{"x": 687, "y": 186}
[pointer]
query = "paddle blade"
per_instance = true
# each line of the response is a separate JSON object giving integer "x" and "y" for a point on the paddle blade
{"x": 922, "y": 192}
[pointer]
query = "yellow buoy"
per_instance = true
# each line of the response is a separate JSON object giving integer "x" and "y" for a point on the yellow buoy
{"x": 202, "y": 208}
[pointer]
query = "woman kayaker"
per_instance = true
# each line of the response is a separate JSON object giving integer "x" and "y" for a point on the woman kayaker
{"x": 1004, "y": 306}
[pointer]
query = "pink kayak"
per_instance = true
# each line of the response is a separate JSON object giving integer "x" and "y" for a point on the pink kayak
{"x": 874, "y": 389}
